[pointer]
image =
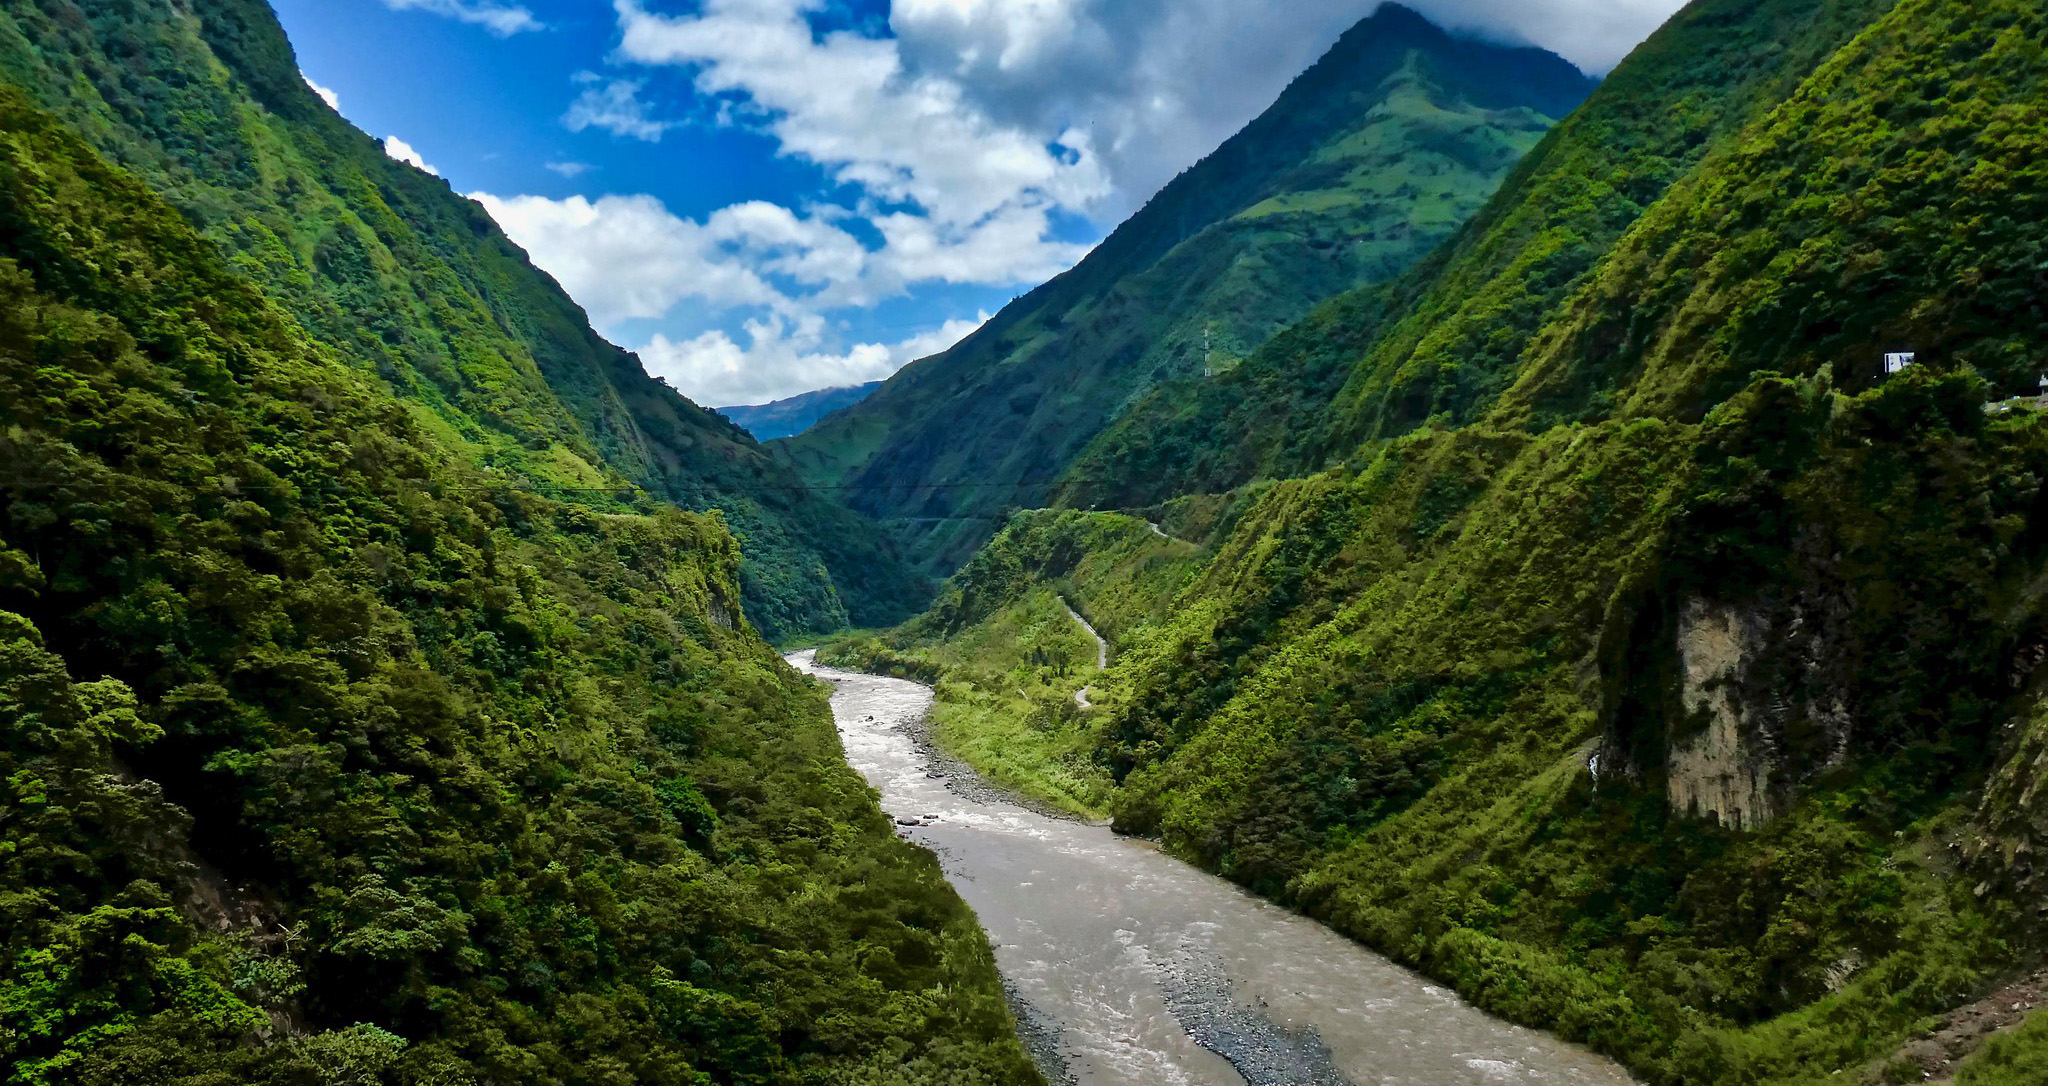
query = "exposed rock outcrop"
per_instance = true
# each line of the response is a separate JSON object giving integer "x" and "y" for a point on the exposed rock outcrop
{"x": 1724, "y": 770}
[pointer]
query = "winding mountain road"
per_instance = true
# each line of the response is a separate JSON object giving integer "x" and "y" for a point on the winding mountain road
{"x": 1101, "y": 652}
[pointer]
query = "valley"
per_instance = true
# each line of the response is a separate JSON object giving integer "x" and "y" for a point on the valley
{"x": 1134, "y": 969}
{"x": 1488, "y": 576}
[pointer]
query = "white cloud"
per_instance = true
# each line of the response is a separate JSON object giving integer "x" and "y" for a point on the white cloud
{"x": 1160, "y": 83}
{"x": 630, "y": 258}
{"x": 848, "y": 103}
{"x": 501, "y": 19}
{"x": 616, "y": 107}
{"x": 780, "y": 361}
{"x": 570, "y": 170}
{"x": 627, "y": 257}
{"x": 404, "y": 152}
{"x": 965, "y": 139}
{"x": 332, "y": 99}
{"x": 1594, "y": 34}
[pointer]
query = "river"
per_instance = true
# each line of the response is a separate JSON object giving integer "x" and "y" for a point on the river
{"x": 1131, "y": 968}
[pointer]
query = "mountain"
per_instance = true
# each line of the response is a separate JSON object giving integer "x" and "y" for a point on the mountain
{"x": 1443, "y": 339}
{"x": 1364, "y": 164}
{"x": 326, "y": 760}
{"x": 790, "y": 417}
{"x": 414, "y": 284}
{"x": 1598, "y": 627}
{"x": 326, "y": 756}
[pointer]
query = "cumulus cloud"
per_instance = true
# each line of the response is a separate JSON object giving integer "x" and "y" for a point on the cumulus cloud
{"x": 628, "y": 257}
{"x": 1157, "y": 84}
{"x": 958, "y": 142}
{"x": 570, "y": 170}
{"x": 1594, "y": 34}
{"x": 404, "y": 152}
{"x": 849, "y": 103}
{"x": 616, "y": 107}
{"x": 332, "y": 99}
{"x": 779, "y": 360}
{"x": 501, "y": 19}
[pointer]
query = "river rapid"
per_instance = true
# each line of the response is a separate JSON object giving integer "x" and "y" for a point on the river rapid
{"x": 1131, "y": 968}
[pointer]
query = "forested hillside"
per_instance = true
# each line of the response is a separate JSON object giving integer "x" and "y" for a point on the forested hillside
{"x": 1365, "y": 163}
{"x": 1626, "y": 649}
{"x": 409, "y": 282}
{"x": 1445, "y": 339}
{"x": 325, "y": 757}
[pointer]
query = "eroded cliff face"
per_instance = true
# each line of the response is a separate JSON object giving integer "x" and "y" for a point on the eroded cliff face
{"x": 1754, "y": 701}
{"x": 1722, "y": 770}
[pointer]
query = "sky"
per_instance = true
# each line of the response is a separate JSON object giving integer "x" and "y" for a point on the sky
{"x": 765, "y": 197}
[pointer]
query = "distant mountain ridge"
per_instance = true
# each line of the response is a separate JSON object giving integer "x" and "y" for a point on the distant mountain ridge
{"x": 411, "y": 282}
{"x": 1364, "y": 164}
{"x": 793, "y": 415}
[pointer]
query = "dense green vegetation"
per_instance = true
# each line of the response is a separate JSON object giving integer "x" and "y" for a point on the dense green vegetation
{"x": 1624, "y": 649}
{"x": 1006, "y": 658}
{"x": 406, "y": 281}
{"x": 326, "y": 758}
{"x": 1445, "y": 339}
{"x": 2012, "y": 1060}
{"x": 1365, "y": 163}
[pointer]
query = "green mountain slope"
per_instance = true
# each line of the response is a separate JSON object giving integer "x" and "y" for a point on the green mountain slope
{"x": 326, "y": 758}
{"x": 416, "y": 285}
{"x": 1444, "y": 339}
{"x": 792, "y": 416}
{"x": 1006, "y": 657}
{"x": 1650, "y": 667}
{"x": 1364, "y": 164}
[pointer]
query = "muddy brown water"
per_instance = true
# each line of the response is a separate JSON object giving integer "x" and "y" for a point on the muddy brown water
{"x": 1131, "y": 968}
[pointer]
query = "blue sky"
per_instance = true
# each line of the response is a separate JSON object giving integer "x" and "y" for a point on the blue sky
{"x": 764, "y": 197}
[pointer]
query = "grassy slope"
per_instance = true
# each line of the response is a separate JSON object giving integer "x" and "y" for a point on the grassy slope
{"x": 1444, "y": 339}
{"x": 1433, "y": 696}
{"x": 323, "y": 762}
{"x": 1006, "y": 658}
{"x": 1364, "y": 164}
{"x": 414, "y": 284}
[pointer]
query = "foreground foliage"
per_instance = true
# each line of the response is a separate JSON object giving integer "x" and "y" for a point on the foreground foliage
{"x": 323, "y": 759}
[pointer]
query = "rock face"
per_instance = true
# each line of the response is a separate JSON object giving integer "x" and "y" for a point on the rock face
{"x": 1724, "y": 770}
{"x": 1763, "y": 706}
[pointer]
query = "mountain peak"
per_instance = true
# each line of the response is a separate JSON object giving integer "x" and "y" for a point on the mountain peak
{"x": 1391, "y": 14}
{"x": 1369, "y": 158}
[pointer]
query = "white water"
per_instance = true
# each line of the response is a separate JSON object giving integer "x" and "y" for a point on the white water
{"x": 1142, "y": 971}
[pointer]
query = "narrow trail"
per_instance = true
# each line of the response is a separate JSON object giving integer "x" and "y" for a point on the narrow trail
{"x": 1161, "y": 533}
{"x": 1101, "y": 650}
